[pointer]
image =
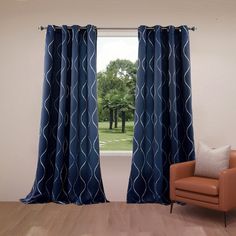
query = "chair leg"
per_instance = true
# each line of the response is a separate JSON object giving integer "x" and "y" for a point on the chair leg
{"x": 171, "y": 207}
{"x": 225, "y": 218}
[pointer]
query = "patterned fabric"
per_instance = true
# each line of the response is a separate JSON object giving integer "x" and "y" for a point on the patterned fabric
{"x": 68, "y": 168}
{"x": 163, "y": 132}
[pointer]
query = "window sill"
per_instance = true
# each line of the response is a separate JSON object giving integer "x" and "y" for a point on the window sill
{"x": 115, "y": 153}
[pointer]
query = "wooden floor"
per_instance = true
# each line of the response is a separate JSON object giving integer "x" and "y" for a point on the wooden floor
{"x": 112, "y": 219}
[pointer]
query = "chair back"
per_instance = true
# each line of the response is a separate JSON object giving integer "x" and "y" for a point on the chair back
{"x": 232, "y": 159}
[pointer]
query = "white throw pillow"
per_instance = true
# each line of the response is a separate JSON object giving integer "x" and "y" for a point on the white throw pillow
{"x": 210, "y": 162}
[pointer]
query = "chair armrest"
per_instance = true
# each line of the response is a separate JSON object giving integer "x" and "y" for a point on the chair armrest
{"x": 227, "y": 189}
{"x": 182, "y": 170}
{"x": 179, "y": 171}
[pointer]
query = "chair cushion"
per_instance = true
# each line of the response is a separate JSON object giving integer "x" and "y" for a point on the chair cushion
{"x": 201, "y": 185}
{"x": 197, "y": 196}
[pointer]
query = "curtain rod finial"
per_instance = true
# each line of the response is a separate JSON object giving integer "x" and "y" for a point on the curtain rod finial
{"x": 194, "y": 28}
{"x": 41, "y": 28}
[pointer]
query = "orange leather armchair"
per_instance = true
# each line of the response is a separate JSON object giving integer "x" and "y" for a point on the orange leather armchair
{"x": 218, "y": 194}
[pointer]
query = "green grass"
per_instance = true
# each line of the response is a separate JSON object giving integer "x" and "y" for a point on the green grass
{"x": 115, "y": 140}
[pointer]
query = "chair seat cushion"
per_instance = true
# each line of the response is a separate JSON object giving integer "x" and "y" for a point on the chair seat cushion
{"x": 200, "y": 185}
{"x": 197, "y": 196}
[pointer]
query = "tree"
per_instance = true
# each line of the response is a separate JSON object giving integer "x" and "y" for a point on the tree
{"x": 107, "y": 104}
{"x": 116, "y": 89}
{"x": 125, "y": 104}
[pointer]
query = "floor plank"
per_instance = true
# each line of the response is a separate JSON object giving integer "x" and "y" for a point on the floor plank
{"x": 115, "y": 218}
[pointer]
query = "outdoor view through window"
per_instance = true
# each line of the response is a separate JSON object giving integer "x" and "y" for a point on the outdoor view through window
{"x": 117, "y": 68}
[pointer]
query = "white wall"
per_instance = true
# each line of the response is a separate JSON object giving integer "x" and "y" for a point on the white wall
{"x": 213, "y": 53}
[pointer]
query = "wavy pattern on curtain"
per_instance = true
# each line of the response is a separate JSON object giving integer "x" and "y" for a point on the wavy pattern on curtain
{"x": 163, "y": 132}
{"x": 68, "y": 169}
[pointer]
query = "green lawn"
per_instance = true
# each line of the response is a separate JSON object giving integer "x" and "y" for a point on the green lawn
{"x": 115, "y": 140}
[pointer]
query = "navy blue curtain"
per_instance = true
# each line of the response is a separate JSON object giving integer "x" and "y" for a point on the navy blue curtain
{"x": 163, "y": 132}
{"x": 68, "y": 169}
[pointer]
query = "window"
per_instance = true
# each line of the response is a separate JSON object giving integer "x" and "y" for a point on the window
{"x": 117, "y": 68}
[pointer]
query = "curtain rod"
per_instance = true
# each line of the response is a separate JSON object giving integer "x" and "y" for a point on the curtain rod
{"x": 193, "y": 28}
